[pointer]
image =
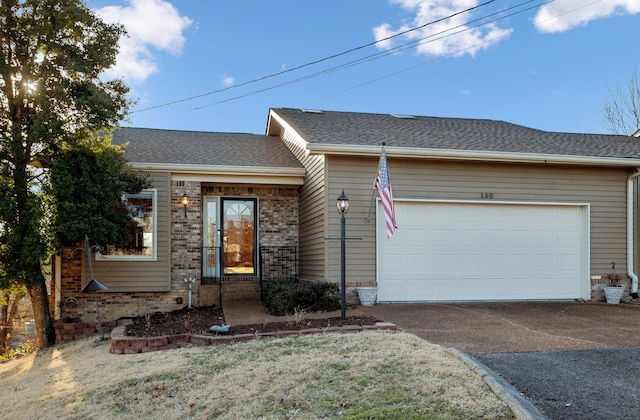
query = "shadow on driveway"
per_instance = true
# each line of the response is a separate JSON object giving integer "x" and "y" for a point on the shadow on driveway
{"x": 572, "y": 360}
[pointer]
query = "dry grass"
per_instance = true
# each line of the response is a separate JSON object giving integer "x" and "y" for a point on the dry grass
{"x": 381, "y": 374}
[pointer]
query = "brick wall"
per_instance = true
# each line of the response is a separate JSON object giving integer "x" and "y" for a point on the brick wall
{"x": 278, "y": 225}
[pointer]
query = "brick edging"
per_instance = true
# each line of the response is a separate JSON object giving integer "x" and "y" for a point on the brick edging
{"x": 122, "y": 344}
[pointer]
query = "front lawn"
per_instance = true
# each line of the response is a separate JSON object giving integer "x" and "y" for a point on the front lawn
{"x": 366, "y": 375}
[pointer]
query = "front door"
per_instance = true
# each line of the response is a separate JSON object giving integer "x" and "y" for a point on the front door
{"x": 229, "y": 236}
{"x": 239, "y": 235}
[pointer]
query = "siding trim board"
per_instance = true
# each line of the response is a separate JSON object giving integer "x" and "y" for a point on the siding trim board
{"x": 470, "y": 155}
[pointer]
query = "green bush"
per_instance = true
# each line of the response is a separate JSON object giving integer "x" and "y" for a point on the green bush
{"x": 286, "y": 296}
{"x": 11, "y": 353}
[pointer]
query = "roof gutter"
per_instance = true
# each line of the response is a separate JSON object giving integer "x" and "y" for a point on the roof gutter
{"x": 219, "y": 169}
{"x": 237, "y": 174}
{"x": 630, "y": 250}
{"x": 472, "y": 155}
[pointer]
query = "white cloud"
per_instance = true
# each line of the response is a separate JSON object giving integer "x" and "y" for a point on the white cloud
{"x": 227, "y": 80}
{"x": 563, "y": 15}
{"x": 151, "y": 25}
{"x": 437, "y": 40}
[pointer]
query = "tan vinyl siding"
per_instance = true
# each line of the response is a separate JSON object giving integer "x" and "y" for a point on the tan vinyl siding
{"x": 311, "y": 213}
{"x": 142, "y": 276}
{"x": 603, "y": 188}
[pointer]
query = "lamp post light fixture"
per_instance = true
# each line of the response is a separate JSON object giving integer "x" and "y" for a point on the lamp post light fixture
{"x": 95, "y": 286}
{"x": 190, "y": 281}
{"x": 342, "y": 204}
{"x": 185, "y": 204}
{"x": 343, "y": 207}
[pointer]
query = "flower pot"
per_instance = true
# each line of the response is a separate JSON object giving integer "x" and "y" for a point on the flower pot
{"x": 613, "y": 294}
{"x": 367, "y": 295}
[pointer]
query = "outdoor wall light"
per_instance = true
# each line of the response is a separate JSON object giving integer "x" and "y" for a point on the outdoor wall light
{"x": 185, "y": 204}
{"x": 343, "y": 203}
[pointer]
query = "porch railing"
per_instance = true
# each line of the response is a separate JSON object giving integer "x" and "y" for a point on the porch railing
{"x": 274, "y": 262}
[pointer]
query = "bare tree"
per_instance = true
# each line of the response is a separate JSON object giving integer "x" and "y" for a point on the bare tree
{"x": 623, "y": 108}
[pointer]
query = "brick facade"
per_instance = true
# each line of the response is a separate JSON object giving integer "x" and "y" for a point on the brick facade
{"x": 277, "y": 224}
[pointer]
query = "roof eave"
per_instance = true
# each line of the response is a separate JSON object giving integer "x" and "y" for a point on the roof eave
{"x": 471, "y": 155}
{"x": 275, "y": 121}
{"x": 242, "y": 174}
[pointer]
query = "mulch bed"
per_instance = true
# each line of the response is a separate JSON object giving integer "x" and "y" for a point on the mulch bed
{"x": 198, "y": 321}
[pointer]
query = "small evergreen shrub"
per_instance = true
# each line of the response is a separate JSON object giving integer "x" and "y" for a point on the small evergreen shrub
{"x": 286, "y": 296}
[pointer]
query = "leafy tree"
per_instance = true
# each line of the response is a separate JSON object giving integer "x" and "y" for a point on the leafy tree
{"x": 87, "y": 183}
{"x": 51, "y": 99}
{"x": 623, "y": 108}
{"x": 9, "y": 301}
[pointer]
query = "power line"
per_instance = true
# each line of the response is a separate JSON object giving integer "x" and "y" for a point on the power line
{"x": 465, "y": 49}
{"x": 388, "y": 52}
{"x": 259, "y": 79}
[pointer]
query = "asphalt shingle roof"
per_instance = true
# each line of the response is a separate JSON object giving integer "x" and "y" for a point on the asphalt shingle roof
{"x": 204, "y": 148}
{"x": 351, "y": 128}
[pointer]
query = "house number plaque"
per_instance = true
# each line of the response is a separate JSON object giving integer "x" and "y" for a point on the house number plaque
{"x": 486, "y": 196}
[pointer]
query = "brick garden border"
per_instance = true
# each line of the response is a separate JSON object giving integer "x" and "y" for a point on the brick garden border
{"x": 122, "y": 344}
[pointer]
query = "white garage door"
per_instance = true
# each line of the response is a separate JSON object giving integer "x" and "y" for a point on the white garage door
{"x": 444, "y": 251}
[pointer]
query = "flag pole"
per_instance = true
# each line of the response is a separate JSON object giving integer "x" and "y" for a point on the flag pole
{"x": 373, "y": 192}
{"x": 368, "y": 218}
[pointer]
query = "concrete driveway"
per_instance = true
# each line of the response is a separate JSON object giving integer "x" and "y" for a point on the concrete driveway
{"x": 507, "y": 327}
{"x": 571, "y": 360}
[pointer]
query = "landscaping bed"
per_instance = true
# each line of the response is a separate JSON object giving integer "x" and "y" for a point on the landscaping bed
{"x": 198, "y": 321}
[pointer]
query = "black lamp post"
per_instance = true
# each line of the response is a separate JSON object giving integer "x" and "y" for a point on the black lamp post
{"x": 343, "y": 207}
{"x": 95, "y": 286}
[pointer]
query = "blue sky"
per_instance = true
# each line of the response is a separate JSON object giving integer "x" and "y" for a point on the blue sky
{"x": 546, "y": 65}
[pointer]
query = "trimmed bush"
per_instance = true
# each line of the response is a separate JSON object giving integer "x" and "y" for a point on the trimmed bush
{"x": 286, "y": 296}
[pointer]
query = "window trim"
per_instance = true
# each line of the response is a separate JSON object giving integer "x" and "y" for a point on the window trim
{"x": 154, "y": 257}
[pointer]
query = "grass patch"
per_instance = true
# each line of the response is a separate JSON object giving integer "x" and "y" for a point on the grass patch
{"x": 368, "y": 375}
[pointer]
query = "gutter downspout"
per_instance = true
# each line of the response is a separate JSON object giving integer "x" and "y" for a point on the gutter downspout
{"x": 630, "y": 228}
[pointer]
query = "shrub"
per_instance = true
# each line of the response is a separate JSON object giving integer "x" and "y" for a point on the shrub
{"x": 11, "y": 353}
{"x": 286, "y": 296}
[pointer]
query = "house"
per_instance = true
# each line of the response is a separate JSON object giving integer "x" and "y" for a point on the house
{"x": 486, "y": 210}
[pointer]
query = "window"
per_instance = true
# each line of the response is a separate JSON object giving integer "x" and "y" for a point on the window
{"x": 140, "y": 210}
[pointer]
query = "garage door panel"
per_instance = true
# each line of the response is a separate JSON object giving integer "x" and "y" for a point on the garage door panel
{"x": 475, "y": 251}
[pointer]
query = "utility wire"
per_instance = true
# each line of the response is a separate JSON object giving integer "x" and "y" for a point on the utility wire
{"x": 389, "y": 52}
{"x": 461, "y": 50}
{"x": 402, "y": 47}
{"x": 313, "y": 62}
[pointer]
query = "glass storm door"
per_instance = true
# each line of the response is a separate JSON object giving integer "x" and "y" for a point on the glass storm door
{"x": 239, "y": 236}
{"x": 211, "y": 239}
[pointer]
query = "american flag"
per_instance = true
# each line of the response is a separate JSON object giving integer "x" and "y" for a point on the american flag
{"x": 382, "y": 185}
